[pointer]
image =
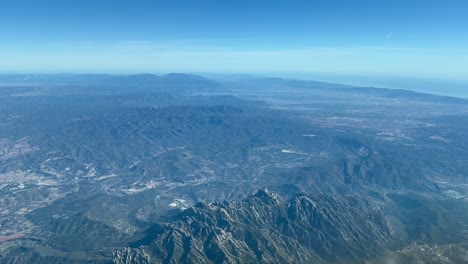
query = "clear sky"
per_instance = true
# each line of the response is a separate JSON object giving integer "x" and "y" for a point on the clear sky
{"x": 386, "y": 37}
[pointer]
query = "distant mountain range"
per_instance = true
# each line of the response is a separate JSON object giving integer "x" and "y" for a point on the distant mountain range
{"x": 175, "y": 82}
{"x": 181, "y": 82}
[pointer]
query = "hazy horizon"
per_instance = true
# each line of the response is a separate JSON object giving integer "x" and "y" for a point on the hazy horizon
{"x": 417, "y": 39}
{"x": 445, "y": 87}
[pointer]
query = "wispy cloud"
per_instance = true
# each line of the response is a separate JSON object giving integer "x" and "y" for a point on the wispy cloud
{"x": 194, "y": 55}
{"x": 212, "y": 48}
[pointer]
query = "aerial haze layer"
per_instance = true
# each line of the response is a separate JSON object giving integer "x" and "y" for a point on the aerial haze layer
{"x": 417, "y": 39}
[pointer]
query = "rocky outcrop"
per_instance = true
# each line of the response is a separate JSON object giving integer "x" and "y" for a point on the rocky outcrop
{"x": 266, "y": 229}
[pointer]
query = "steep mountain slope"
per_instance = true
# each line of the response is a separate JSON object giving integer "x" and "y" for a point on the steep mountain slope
{"x": 264, "y": 228}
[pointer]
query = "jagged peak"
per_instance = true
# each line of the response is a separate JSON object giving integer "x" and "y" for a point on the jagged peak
{"x": 267, "y": 197}
{"x": 202, "y": 205}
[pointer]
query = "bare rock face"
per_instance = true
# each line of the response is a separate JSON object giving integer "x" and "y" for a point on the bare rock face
{"x": 266, "y": 229}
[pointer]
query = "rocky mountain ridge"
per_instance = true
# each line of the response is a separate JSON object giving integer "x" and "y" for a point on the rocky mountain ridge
{"x": 264, "y": 228}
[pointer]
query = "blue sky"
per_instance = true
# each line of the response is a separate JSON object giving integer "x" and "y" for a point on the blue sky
{"x": 393, "y": 38}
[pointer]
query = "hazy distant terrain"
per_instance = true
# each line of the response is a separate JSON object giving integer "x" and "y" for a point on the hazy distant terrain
{"x": 150, "y": 169}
